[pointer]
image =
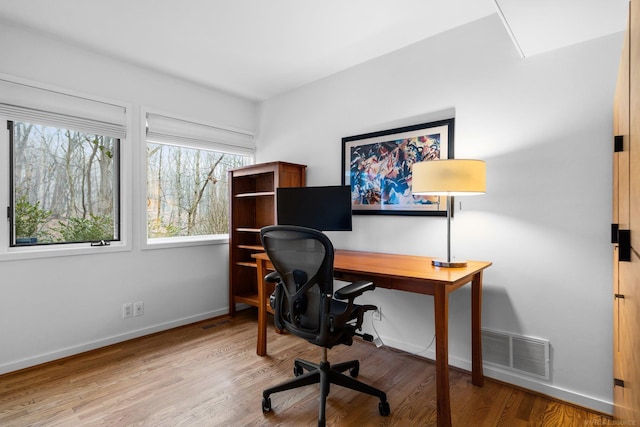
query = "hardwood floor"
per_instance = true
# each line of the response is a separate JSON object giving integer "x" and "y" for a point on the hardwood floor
{"x": 207, "y": 374}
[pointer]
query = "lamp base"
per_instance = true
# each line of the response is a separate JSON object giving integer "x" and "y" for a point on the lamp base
{"x": 448, "y": 264}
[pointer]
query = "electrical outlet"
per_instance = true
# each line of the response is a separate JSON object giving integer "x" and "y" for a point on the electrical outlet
{"x": 377, "y": 315}
{"x": 127, "y": 310}
{"x": 138, "y": 308}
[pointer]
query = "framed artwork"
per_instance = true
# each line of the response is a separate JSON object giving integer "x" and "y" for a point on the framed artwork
{"x": 377, "y": 167}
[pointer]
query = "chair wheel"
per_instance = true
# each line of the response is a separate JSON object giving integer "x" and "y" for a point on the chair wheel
{"x": 354, "y": 372}
{"x": 297, "y": 370}
{"x": 266, "y": 404}
{"x": 384, "y": 409}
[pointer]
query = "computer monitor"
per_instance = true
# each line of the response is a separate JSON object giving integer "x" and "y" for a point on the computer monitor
{"x": 325, "y": 208}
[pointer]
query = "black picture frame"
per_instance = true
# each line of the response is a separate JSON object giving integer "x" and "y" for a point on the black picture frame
{"x": 377, "y": 167}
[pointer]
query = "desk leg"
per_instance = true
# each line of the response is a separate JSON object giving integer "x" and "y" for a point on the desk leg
{"x": 441, "y": 308}
{"x": 477, "y": 375}
{"x": 262, "y": 310}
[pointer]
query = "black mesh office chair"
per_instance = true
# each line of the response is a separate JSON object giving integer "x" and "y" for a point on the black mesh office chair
{"x": 304, "y": 304}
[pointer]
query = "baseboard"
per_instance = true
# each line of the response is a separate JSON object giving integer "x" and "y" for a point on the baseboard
{"x": 490, "y": 371}
{"x": 92, "y": 345}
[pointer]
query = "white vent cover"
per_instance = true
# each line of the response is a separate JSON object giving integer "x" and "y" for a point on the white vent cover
{"x": 516, "y": 352}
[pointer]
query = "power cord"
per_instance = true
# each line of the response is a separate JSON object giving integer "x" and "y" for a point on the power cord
{"x": 378, "y": 342}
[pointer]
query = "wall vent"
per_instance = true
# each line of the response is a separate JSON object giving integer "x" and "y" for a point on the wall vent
{"x": 517, "y": 353}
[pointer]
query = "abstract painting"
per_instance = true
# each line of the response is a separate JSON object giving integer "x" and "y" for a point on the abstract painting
{"x": 377, "y": 166}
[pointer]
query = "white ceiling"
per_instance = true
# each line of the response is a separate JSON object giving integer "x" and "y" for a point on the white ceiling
{"x": 261, "y": 48}
{"x": 543, "y": 25}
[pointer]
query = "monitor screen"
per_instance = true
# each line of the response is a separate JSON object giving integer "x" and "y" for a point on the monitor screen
{"x": 323, "y": 208}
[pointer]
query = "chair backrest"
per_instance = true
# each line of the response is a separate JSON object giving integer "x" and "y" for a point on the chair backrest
{"x": 303, "y": 258}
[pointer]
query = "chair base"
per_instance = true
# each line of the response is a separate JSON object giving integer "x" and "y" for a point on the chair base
{"x": 325, "y": 374}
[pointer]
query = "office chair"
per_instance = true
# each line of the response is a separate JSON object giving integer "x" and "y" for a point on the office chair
{"x": 304, "y": 304}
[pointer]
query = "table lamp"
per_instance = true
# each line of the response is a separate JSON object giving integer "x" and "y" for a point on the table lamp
{"x": 450, "y": 177}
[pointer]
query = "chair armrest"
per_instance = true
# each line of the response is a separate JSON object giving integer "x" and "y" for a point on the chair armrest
{"x": 354, "y": 289}
{"x": 272, "y": 277}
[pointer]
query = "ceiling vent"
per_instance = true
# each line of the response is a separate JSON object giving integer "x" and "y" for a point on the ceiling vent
{"x": 516, "y": 353}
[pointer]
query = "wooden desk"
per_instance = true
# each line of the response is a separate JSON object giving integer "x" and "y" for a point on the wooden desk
{"x": 411, "y": 274}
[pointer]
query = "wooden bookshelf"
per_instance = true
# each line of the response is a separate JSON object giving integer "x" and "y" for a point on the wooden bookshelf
{"x": 252, "y": 204}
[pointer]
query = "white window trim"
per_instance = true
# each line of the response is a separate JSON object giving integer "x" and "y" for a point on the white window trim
{"x": 8, "y": 253}
{"x": 169, "y": 242}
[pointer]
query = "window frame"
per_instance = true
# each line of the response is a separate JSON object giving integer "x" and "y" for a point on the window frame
{"x": 124, "y": 180}
{"x": 12, "y": 194}
{"x": 179, "y": 241}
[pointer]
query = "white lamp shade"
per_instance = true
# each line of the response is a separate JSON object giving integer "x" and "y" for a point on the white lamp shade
{"x": 448, "y": 177}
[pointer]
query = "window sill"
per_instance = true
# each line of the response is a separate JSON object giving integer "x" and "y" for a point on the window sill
{"x": 177, "y": 242}
{"x": 34, "y": 252}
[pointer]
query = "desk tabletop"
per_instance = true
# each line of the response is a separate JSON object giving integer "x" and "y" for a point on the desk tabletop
{"x": 399, "y": 266}
{"x": 403, "y": 266}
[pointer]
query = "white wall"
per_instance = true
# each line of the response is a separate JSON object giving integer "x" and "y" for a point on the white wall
{"x": 544, "y": 127}
{"x": 53, "y": 307}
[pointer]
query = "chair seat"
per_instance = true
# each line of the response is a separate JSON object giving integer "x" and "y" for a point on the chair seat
{"x": 338, "y": 306}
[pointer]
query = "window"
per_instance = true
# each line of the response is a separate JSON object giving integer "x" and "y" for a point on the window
{"x": 62, "y": 157}
{"x": 187, "y": 191}
{"x": 187, "y": 164}
{"x": 64, "y": 185}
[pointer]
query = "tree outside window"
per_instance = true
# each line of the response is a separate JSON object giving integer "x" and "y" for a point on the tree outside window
{"x": 64, "y": 185}
{"x": 187, "y": 191}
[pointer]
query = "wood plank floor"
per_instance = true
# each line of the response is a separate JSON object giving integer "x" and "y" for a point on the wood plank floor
{"x": 207, "y": 374}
